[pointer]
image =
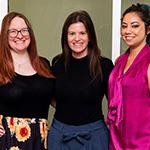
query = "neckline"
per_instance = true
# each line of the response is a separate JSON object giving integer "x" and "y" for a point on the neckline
{"x": 135, "y": 61}
{"x": 22, "y": 75}
{"x": 79, "y": 59}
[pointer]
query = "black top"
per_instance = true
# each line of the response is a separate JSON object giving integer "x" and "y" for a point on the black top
{"x": 79, "y": 100}
{"x": 26, "y": 96}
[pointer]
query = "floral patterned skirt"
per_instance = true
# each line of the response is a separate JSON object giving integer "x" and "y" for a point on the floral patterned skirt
{"x": 23, "y": 133}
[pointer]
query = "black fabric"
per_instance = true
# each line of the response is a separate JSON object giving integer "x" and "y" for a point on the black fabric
{"x": 79, "y": 100}
{"x": 26, "y": 96}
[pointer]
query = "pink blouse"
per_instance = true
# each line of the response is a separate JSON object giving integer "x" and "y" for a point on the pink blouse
{"x": 129, "y": 103}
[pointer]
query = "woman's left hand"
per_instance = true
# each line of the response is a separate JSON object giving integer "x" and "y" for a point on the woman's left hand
{"x": 2, "y": 131}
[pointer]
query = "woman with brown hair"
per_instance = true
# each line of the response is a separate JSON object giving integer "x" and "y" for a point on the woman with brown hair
{"x": 81, "y": 83}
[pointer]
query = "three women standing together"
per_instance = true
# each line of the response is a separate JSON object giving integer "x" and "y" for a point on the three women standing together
{"x": 77, "y": 86}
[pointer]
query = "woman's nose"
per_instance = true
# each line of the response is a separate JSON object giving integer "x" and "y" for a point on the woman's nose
{"x": 128, "y": 30}
{"x": 77, "y": 37}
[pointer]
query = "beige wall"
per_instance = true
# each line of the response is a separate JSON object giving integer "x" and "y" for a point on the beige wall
{"x": 47, "y": 18}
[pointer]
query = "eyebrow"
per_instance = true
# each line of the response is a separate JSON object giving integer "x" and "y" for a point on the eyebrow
{"x": 131, "y": 22}
{"x": 18, "y": 29}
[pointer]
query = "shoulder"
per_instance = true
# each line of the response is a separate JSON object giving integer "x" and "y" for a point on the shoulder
{"x": 57, "y": 64}
{"x": 57, "y": 60}
{"x": 107, "y": 66}
{"x": 106, "y": 62}
{"x": 147, "y": 54}
{"x": 44, "y": 59}
{"x": 121, "y": 58}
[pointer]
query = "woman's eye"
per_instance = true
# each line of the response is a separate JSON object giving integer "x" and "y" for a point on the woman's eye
{"x": 123, "y": 26}
{"x": 71, "y": 33}
{"x": 135, "y": 26}
{"x": 83, "y": 33}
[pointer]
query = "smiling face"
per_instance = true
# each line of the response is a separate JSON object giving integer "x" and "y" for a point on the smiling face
{"x": 133, "y": 30}
{"x": 78, "y": 40}
{"x": 22, "y": 40}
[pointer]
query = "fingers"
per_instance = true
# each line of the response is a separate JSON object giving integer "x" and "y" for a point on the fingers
{"x": 2, "y": 131}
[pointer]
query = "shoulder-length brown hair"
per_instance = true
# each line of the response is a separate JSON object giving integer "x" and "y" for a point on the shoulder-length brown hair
{"x": 6, "y": 62}
{"x": 94, "y": 52}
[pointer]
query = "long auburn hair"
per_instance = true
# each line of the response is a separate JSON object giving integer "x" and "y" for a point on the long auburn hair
{"x": 6, "y": 62}
{"x": 94, "y": 52}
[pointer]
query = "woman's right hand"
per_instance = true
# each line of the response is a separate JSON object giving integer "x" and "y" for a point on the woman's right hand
{"x": 2, "y": 130}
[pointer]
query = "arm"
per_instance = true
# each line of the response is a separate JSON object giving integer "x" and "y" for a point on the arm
{"x": 148, "y": 76}
{"x": 108, "y": 68}
{"x": 53, "y": 102}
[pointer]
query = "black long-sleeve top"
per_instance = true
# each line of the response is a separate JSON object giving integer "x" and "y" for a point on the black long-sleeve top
{"x": 79, "y": 100}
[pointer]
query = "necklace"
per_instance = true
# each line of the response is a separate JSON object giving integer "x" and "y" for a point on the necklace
{"x": 19, "y": 65}
{"x": 24, "y": 68}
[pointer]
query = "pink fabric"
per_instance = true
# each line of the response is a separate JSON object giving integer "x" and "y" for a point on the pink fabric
{"x": 129, "y": 103}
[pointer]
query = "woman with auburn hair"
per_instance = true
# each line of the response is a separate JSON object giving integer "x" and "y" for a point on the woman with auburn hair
{"x": 26, "y": 87}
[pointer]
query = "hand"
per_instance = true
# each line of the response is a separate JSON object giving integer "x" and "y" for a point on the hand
{"x": 2, "y": 131}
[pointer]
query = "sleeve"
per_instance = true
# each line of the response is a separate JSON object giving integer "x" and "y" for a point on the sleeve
{"x": 56, "y": 59}
{"x": 107, "y": 67}
{"x": 56, "y": 64}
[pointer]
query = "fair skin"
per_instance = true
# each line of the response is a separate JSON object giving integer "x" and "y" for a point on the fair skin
{"x": 19, "y": 45}
{"x": 78, "y": 40}
{"x": 134, "y": 34}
